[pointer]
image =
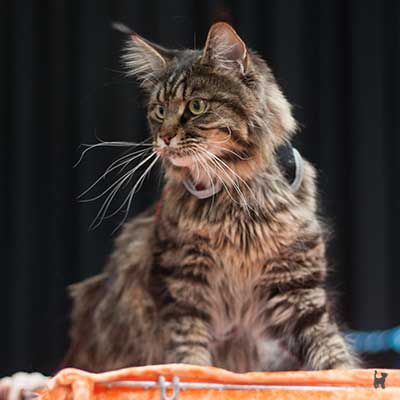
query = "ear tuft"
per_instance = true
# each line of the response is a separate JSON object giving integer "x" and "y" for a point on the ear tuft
{"x": 120, "y": 27}
{"x": 143, "y": 59}
{"x": 225, "y": 48}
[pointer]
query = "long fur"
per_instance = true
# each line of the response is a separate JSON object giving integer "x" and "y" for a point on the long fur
{"x": 236, "y": 280}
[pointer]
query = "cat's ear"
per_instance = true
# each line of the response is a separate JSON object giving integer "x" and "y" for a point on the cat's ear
{"x": 224, "y": 48}
{"x": 144, "y": 60}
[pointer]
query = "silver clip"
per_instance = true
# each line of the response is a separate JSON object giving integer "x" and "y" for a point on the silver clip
{"x": 163, "y": 388}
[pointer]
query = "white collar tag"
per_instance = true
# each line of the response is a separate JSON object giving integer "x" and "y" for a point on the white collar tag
{"x": 203, "y": 193}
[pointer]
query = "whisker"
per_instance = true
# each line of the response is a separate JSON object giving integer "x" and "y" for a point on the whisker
{"x": 220, "y": 141}
{"x": 230, "y": 169}
{"x": 113, "y": 167}
{"x": 206, "y": 169}
{"x": 115, "y": 183}
{"x": 224, "y": 184}
{"x": 230, "y": 151}
{"x": 137, "y": 187}
{"x": 221, "y": 168}
{"x": 110, "y": 144}
{"x": 190, "y": 140}
{"x": 224, "y": 121}
{"x": 197, "y": 166}
{"x": 103, "y": 209}
{"x": 134, "y": 189}
{"x": 220, "y": 178}
{"x": 119, "y": 160}
{"x": 218, "y": 162}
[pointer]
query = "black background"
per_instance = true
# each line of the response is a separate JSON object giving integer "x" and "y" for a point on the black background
{"x": 60, "y": 85}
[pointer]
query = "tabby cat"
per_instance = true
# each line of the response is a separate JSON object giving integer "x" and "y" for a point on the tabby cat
{"x": 228, "y": 269}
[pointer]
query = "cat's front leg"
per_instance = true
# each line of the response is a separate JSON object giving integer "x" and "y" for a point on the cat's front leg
{"x": 188, "y": 341}
{"x": 299, "y": 312}
{"x": 301, "y": 316}
{"x": 185, "y": 308}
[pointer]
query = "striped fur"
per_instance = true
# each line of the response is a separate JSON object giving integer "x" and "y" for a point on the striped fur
{"x": 236, "y": 280}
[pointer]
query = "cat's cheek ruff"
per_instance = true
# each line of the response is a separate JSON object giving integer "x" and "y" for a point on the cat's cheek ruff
{"x": 291, "y": 164}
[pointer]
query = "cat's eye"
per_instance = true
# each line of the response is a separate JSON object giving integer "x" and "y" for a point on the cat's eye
{"x": 160, "y": 112}
{"x": 197, "y": 106}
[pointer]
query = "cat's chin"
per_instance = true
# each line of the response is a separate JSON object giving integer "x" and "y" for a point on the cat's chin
{"x": 184, "y": 161}
{"x": 185, "y": 168}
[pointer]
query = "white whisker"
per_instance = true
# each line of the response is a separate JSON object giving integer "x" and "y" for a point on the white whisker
{"x": 206, "y": 170}
{"x": 220, "y": 178}
{"x": 137, "y": 187}
{"x": 134, "y": 155}
{"x": 229, "y": 168}
{"x": 224, "y": 149}
{"x": 140, "y": 180}
{"x": 220, "y": 165}
{"x": 132, "y": 171}
{"x": 109, "y": 144}
{"x": 224, "y": 121}
{"x": 103, "y": 209}
{"x": 113, "y": 167}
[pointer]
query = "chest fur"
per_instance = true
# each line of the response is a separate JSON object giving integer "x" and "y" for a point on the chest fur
{"x": 239, "y": 246}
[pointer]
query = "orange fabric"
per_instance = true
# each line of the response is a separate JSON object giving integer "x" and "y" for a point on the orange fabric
{"x": 73, "y": 384}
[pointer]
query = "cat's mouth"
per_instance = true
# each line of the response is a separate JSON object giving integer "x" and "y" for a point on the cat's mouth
{"x": 199, "y": 181}
{"x": 177, "y": 156}
{"x": 181, "y": 161}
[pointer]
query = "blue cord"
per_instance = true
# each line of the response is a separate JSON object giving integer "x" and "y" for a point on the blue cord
{"x": 375, "y": 341}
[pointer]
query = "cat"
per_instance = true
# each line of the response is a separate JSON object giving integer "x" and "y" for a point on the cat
{"x": 228, "y": 269}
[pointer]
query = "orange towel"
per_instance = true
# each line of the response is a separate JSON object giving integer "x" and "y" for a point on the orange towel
{"x": 143, "y": 383}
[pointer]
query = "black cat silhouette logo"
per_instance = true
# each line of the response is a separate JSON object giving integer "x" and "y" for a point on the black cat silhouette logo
{"x": 380, "y": 380}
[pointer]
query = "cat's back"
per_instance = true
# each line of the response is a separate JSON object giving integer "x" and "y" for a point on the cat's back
{"x": 103, "y": 324}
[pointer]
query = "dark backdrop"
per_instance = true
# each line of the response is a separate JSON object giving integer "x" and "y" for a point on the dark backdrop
{"x": 61, "y": 85}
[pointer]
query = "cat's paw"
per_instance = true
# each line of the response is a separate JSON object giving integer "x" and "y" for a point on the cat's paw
{"x": 201, "y": 359}
{"x": 13, "y": 388}
{"x": 349, "y": 365}
{"x": 196, "y": 360}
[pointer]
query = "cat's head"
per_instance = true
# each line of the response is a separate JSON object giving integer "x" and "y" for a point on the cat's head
{"x": 215, "y": 111}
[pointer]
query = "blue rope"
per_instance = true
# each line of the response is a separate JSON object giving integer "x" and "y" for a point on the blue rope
{"x": 375, "y": 341}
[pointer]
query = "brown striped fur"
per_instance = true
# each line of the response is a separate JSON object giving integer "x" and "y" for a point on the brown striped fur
{"x": 236, "y": 280}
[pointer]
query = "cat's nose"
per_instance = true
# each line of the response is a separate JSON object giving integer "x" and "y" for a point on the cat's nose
{"x": 167, "y": 137}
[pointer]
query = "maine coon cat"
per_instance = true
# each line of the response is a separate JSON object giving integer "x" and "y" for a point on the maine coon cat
{"x": 229, "y": 268}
